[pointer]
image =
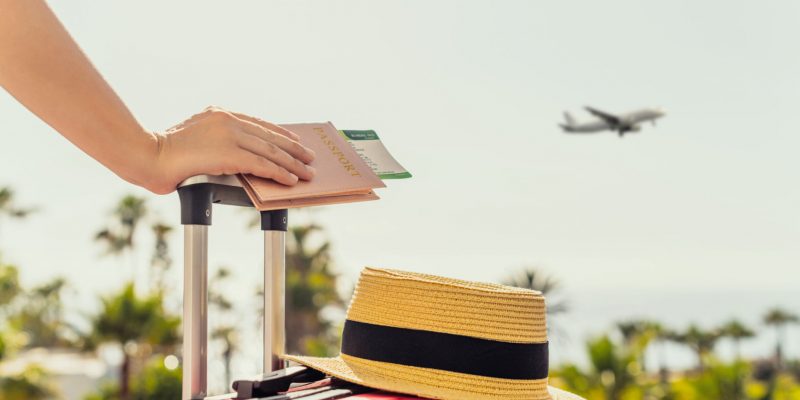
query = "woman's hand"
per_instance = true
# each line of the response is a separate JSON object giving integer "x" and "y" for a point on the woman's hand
{"x": 217, "y": 141}
{"x": 43, "y": 68}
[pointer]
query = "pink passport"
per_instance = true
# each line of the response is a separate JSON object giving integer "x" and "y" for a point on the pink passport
{"x": 342, "y": 176}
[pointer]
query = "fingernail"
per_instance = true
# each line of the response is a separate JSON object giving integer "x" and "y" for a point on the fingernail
{"x": 293, "y": 177}
{"x": 311, "y": 170}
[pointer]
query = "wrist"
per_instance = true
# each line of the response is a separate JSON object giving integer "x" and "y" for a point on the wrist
{"x": 151, "y": 171}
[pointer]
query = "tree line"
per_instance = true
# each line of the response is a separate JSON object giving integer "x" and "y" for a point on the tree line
{"x": 137, "y": 320}
{"x": 616, "y": 360}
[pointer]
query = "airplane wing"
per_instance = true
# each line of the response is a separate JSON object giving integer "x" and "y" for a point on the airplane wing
{"x": 611, "y": 119}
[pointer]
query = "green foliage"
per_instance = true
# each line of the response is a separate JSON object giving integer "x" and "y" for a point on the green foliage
{"x": 615, "y": 370}
{"x": 107, "y": 391}
{"x": 9, "y": 283}
{"x": 780, "y": 318}
{"x": 614, "y": 366}
{"x": 786, "y": 388}
{"x": 41, "y": 316}
{"x": 155, "y": 382}
{"x": 736, "y": 330}
{"x": 126, "y": 317}
{"x": 570, "y": 376}
{"x": 719, "y": 381}
{"x": 793, "y": 367}
{"x": 31, "y": 384}
{"x": 2, "y": 345}
{"x": 308, "y": 271}
{"x": 613, "y": 373}
{"x": 37, "y": 312}
{"x": 311, "y": 285}
{"x": 701, "y": 341}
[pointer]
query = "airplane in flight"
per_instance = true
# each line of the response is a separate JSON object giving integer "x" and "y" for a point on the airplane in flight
{"x": 605, "y": 121}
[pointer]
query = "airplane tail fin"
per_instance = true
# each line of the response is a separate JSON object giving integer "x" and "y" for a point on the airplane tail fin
{"x": 568, "y": 117}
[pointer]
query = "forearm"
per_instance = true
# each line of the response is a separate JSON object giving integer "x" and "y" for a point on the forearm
{"x": 43, "y": 68}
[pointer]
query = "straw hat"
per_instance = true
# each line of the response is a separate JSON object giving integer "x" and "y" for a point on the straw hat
{"x": 443, "y": 338}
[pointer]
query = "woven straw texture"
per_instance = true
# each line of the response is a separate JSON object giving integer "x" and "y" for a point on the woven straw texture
{"x": 426, "y": 302}
{"x": 429, "y": 383}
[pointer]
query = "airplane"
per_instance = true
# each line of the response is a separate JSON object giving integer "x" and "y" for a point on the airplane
{"x": 621, "y": 123}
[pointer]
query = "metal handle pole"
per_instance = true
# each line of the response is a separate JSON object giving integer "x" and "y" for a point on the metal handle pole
{"x": 274, "y": 303}
{"x": 195, "y": 311}
{"x": 197, "y": 195}
{"x": 274, "y": 224}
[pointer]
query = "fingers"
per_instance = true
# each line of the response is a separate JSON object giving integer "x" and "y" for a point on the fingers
{"x": 268, "y": 126}
{"x": 270, "y": 151}
{"x": 260, "y": 166}
{"x": 286, "y": 139}
{"x": 295, "y": 149}
{"x": 275, "y": 154}
{"x": 258, "y": 121}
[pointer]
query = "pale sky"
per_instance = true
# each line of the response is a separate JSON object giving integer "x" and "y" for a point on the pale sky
{"x": 466, "y": 95}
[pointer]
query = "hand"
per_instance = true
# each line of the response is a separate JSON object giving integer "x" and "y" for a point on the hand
{"x": 43, "y": 68}
{"x": 217, "y": 141}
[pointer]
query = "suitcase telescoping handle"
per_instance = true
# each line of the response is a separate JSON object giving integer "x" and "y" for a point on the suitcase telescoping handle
{"x": 197, "y": 196}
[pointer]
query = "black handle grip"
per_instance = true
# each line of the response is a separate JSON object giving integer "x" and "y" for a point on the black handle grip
{"x": 197, "y": 201}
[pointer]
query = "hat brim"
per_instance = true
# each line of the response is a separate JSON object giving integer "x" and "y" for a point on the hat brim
{"x": 430, "y": 383}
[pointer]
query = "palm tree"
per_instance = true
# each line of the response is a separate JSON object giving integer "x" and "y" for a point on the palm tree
{"x": 130, "y": 211}
{"x": 311, "y": 285}
{"x": 3, "y": 346}
{"x": 531, "y": 278}
{"x": 118, "y": 237}
{"x": 31, "y": 383}
{"x": 780, "y": 318}
{"x": 612, "y": 371}
{"x": 126, "y": 319}
{"x": 633, "y": 330}
{"x": 41, "y": 316}
{"x": 700, "y": 341}
{"x": 161, "y": 261}
{"x": 230, "y": 344}
{"x": 9, "y": 283}
{"x": 216, "y": 297}
{"x": 637, "y": 335}
{"x": 9, "y": 208}
{"x": 736, "y": 331}
{"x": 661, "y": 335}
{"x": 224, "y": 333}
{"x": 534, "y": 279}
{"x": 9, "y": 290}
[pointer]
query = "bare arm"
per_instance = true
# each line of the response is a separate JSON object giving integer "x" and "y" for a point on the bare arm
{"x": 45, "y": 70}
